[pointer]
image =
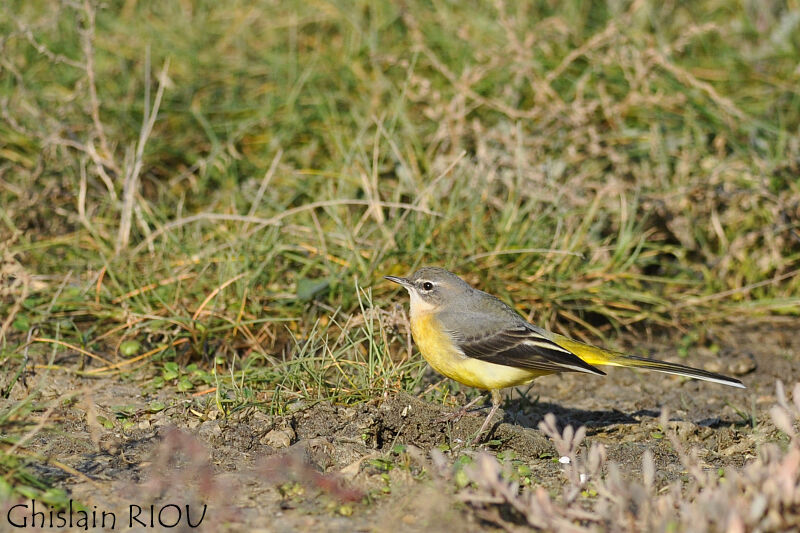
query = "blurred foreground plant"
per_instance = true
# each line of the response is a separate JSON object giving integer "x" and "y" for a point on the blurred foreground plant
{"x": 762, "y": 496}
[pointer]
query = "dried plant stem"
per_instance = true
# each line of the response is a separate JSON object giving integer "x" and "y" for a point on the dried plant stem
{"x": 130, "y": 185}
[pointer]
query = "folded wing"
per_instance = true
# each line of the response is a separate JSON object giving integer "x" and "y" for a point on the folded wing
{"x": 522, "y": 347}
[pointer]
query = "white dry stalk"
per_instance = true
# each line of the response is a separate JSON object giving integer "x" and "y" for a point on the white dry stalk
{"x": 132, "y": 171}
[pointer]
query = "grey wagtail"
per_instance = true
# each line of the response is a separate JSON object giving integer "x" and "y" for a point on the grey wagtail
{"x": 474, "y": 338}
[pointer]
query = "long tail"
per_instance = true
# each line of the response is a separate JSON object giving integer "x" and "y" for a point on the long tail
{"x": 599, "y": 357}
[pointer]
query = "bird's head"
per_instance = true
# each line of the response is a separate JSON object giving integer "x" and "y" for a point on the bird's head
{"x": 432, "y": 289}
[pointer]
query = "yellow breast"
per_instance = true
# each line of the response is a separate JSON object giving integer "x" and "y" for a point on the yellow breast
{"x": 443, "y": 355}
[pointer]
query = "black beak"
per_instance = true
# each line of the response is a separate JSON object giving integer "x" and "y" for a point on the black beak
{"x": 402, "y": 281}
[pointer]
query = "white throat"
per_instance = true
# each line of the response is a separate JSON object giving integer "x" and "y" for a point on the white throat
{"x": 418, "y": 305}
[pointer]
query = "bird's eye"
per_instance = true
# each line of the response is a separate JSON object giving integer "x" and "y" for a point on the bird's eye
{"x": 428, "y": 286}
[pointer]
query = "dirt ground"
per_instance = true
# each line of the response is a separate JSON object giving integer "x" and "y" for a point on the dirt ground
{"x": 390, "y": 463}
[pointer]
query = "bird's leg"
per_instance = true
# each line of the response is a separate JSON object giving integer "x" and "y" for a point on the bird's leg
{"x": 455, "y": 416}
{"x": 496, "y": 399}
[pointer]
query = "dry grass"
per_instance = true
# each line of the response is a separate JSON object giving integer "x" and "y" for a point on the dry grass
{"x": 206, "y": 196}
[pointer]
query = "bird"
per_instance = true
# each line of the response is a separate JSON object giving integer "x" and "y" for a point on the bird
{"x": 476, "y": 339}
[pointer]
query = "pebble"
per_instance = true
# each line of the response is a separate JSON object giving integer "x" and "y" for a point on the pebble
{"x": 278, "y": 438}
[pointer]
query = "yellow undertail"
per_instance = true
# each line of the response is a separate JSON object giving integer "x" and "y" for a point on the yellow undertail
{"x": 599, "y": 357}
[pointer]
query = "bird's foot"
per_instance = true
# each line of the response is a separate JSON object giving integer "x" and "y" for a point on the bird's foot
{"x": 489, "y": 417}
{"x": 457, "y": 415}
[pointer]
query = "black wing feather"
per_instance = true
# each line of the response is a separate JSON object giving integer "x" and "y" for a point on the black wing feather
{"x": 522, "y": 347}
